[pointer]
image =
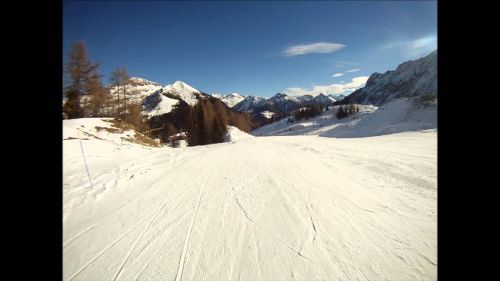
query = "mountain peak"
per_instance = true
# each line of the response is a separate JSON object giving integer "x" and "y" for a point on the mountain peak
{"x": 180, "y": 85}
{"x": 279, "y": 96}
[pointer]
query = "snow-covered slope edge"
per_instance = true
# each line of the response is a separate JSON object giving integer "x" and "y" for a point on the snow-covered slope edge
{"x": 106, "y": 129}
{"x": 235, "y": 134}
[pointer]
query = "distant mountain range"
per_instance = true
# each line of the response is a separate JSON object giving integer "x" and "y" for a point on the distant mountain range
{"x": 281, "y": 104}
{"x": 410, "y": 79}
{"x": 231, "y": 99}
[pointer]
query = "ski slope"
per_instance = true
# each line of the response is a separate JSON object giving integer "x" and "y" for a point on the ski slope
{"x": 259, "y": 208}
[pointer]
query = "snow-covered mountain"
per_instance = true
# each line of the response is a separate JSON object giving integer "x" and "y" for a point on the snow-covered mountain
{"x": 184, "y": 91}
{"x": 230, "y": 100}
{"x": 283, "y": 102}
{"x": 279, "y": 104}
{"x": 156, "y": 99}
{"x": 158, "y": 104}
{"x": 249, "y": 103}
{"x": 137, "y": 89}
{"x": 410, "y": 79}
{"x": 324, "y": 100}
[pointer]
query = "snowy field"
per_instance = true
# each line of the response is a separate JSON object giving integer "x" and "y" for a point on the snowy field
{"x": 258, "y": 208}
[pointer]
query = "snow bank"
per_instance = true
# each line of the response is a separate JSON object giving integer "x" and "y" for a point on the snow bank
{"x": 103, "y": 129}
{"x": 235, "y": 134}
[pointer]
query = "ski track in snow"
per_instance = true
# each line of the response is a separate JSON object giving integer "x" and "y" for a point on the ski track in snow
{"x": 280, "y": 208}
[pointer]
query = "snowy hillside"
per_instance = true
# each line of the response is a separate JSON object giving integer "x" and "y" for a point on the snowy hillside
{"x": 158, "y": 104}
{"x": 264, "y": 208}
{"x": 400, "y": 115}
{"x": 230, "y": 100}
{"x": 137, "y": 89}
{"x": 410, "y": 79}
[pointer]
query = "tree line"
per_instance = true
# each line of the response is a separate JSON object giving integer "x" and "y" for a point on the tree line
{"x": 309, "y": 111}
{"x": 345, "y": 110}
{"x": 86, "y": 96}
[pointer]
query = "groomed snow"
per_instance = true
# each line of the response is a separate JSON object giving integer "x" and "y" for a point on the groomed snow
{"x": 263, "y": 208}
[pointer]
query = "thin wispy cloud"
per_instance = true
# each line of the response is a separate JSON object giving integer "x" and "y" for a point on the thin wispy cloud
{"x": 342, "y": 73}
{"x": 346, "y": 63}
{"x": 414, "y": 48}
{"x": 336, "y": 89}
{"x": 321, "y": 47}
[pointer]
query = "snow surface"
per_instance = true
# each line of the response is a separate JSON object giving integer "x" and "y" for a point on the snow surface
{"x": 235, "y": 134}
{"x": 261, "y": 208}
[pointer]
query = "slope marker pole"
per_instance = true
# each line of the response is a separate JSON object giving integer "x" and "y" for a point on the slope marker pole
{"x": 86, "y": 167}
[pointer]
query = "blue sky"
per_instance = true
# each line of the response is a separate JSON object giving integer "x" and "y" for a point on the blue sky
{"x": 258, "y": 48}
